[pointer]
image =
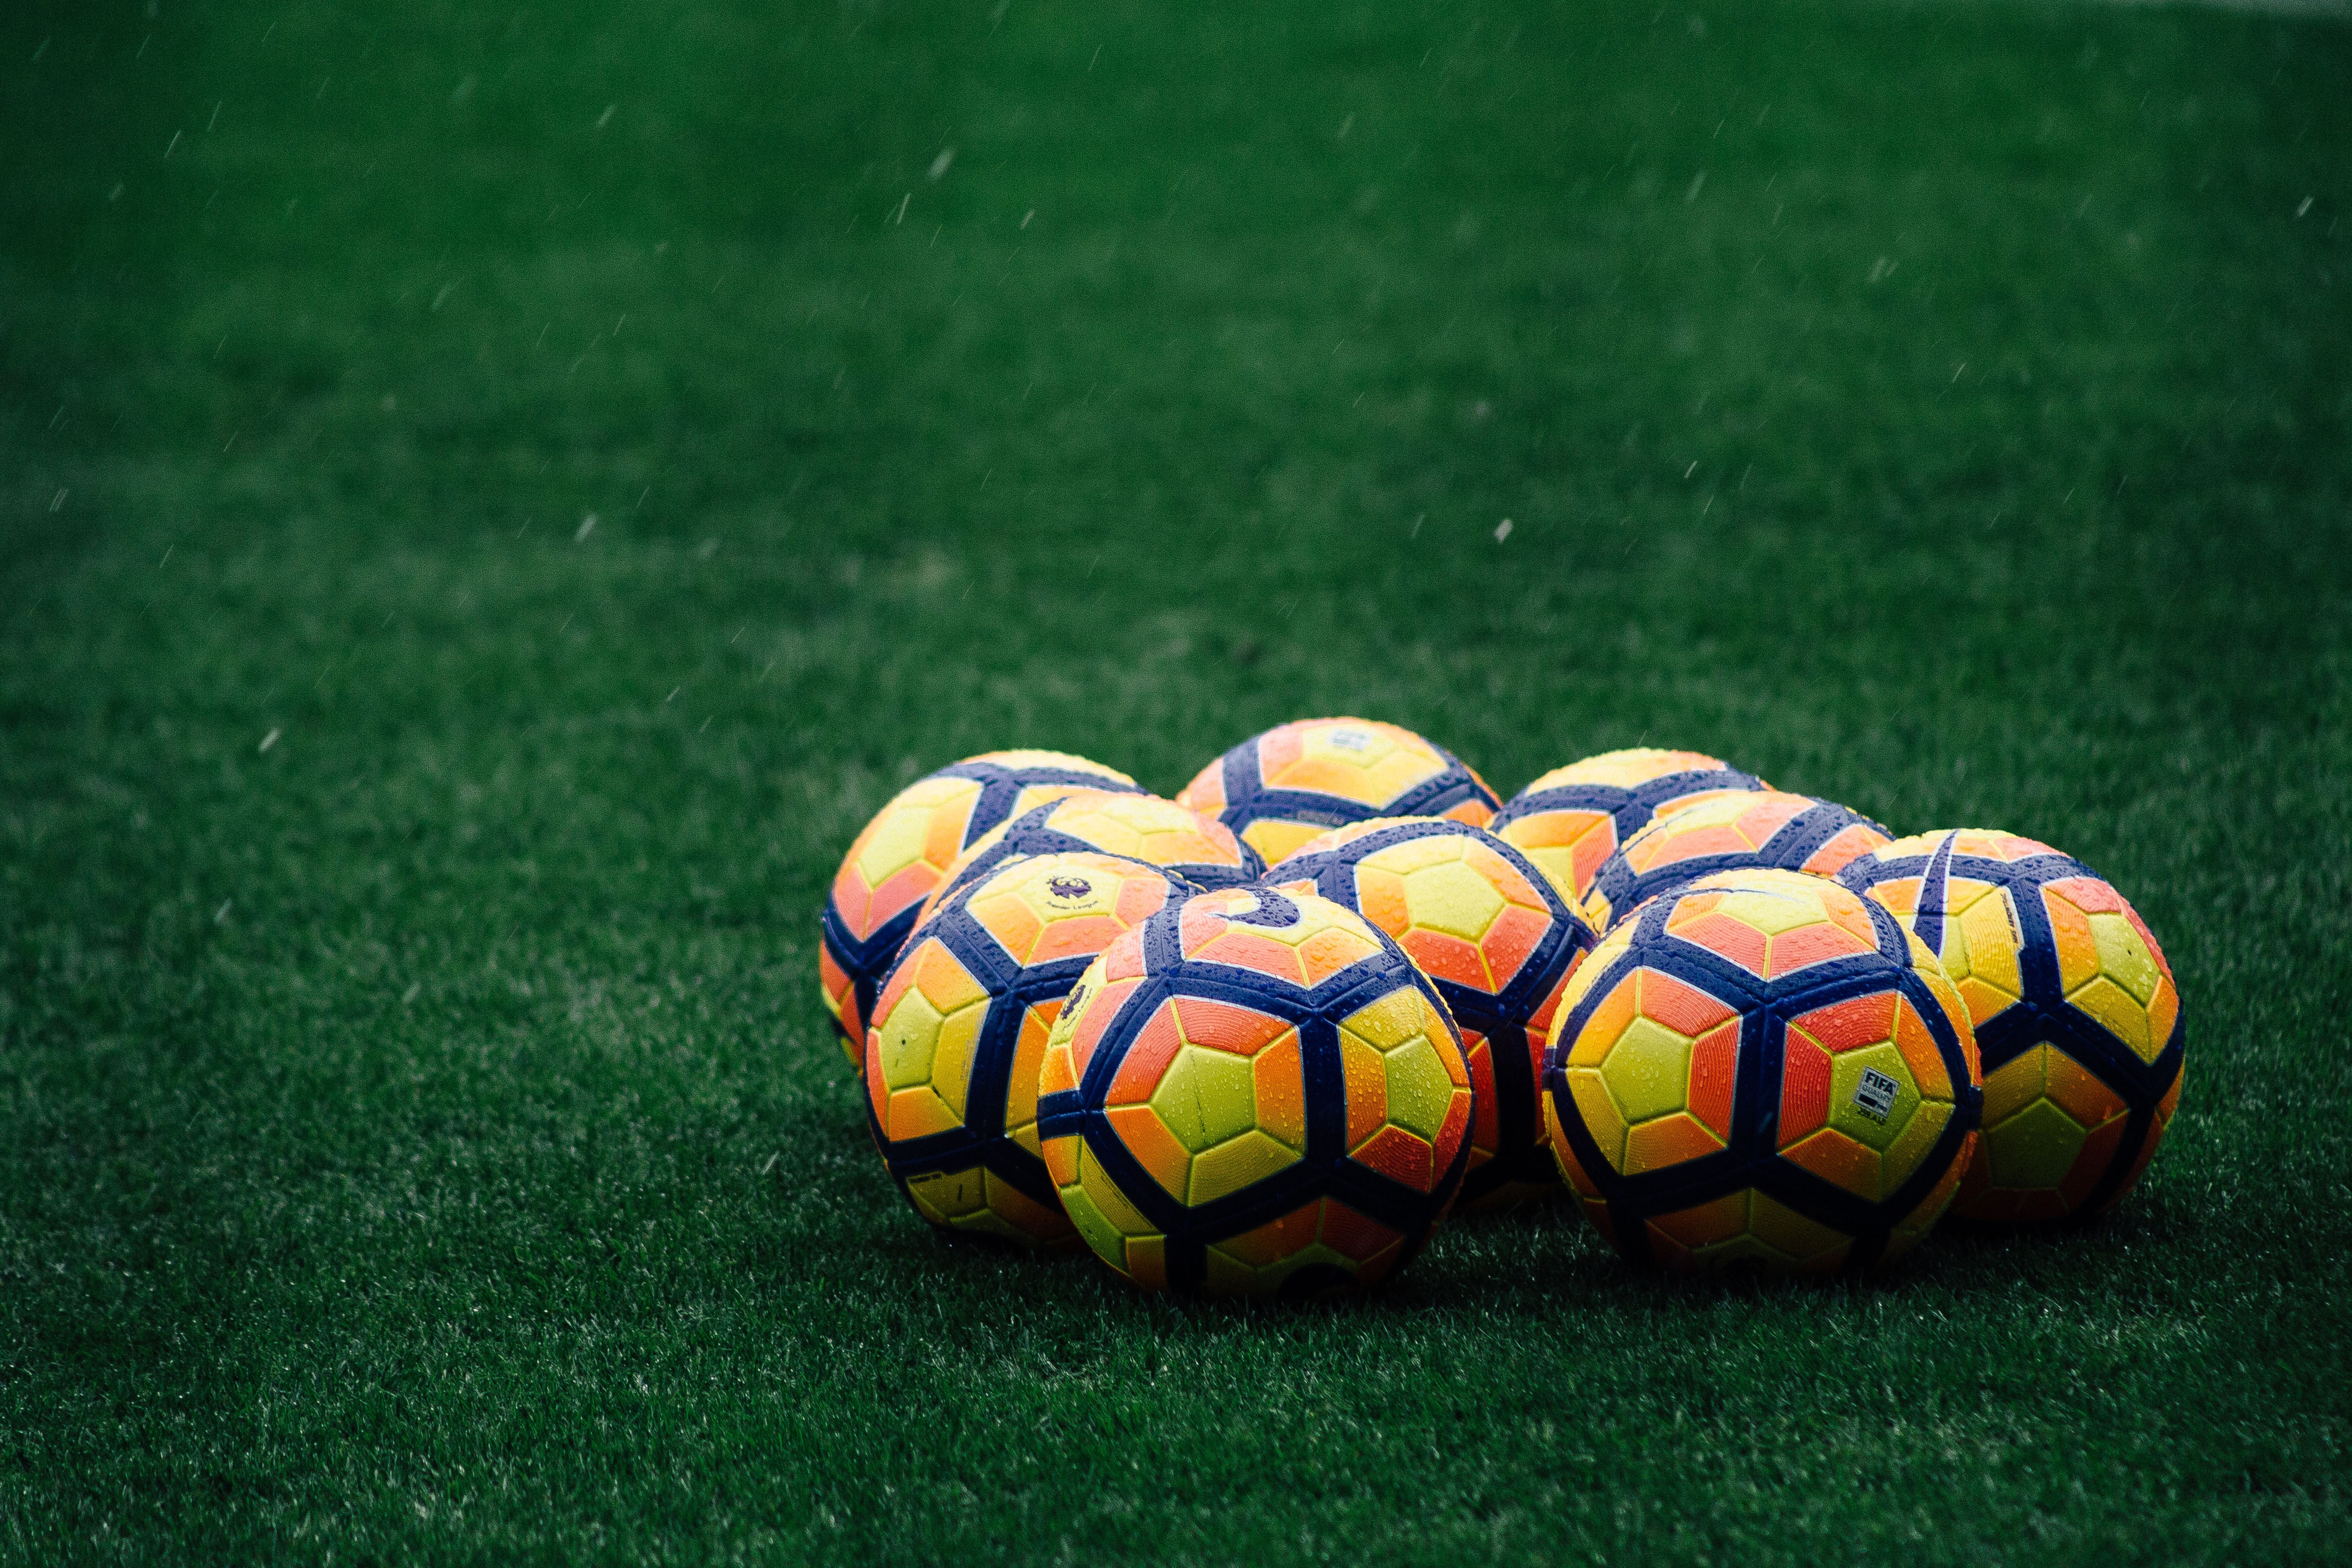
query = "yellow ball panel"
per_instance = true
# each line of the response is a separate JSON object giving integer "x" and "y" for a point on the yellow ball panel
{"x": 906, "y": 1038}
{"x": 903, "y": 832}
{"x": 1276, "y": 840}
{"x": 1628, "y": 768}
{"x": 1402, "y": 1016}
{"x": 1228, "y": 1276}
{"x": 1420, "y": 1091}
{"x": 1808, "y": 1245}
{"x": 1566, "y": 846}
{"x": 1232, "y": 1165}
{"x": 1094, "y": 1228}
{"x": 1028, "y": 1067}
{"x": 1919, "y": 1138}
{"x": 948, "y": 1198}
{"x": 2118, "y": 1013}
{"x": 1981, "y": 939}
{"x": 1850, "y": 1108}
{"x": 1205, "y": 1097}
{"x": 1771, "y": 912}
{"x": 1412, "y": 855}
{"x": 1037, "y": 757}
{"x": 1600, "y": 1114}
{"x": 2015, "y": 1084}
{"x": 1648, "y": 1070}
{"x": 2124, "y": 956}
{"x": 1363, "y": 1069}
{"x": 1016, "y": 1216}
{"x": 1101, "y": 1194}
{"x": 2033, "y": 1147}
{"x": 1451, "y": 896}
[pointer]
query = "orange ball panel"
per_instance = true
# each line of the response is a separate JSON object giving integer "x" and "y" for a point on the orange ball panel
{"x": 1445, "y": 957}
{"x": 1147, "y": 1056}
{"x": 1244, "y": 1031}
{"x": 1853, "y": 1023}
{"x": 1241, "y": 948}
{"x": 1684, "y": 1009}
{"x": 1326, "y": 952}
{"x": 1100, "y": 1012}
{"x": 1730, "y": 939}
{"x": 1847, "y": 846}
{"x": 1381, "y": 898}
{"x": 1715, "y": 1065}
{"x": 1277, "y": 1240}
{"x": 1278, "y": 750}
{"x": 1922, "y": 1217}
{"x": 2098, "y": 1153}
{"x": 2079, "y": 1093}
{"x": 1486, "y": 1128}
{"x": 1278, "y": 1077}
{"x": 1013, "y": 924}
{"x": 1149, "y": 1140}
{"x": 841, "y": 994}
{"x": 1399, "y": 1156}
{"x": 1760, "y": 822}
{"x": 1919, "y": 1053}
{"x": 1608, "y": 1020}
{"x": 1514, "y": 937}
{"x": 1075, "y": 937}
{"x": 1206, "y": 793}
{"x": 1668, "y": 1141}
{"x": 1146, "y": 1261}
{"x": 1706, "y": 1225}
{"x": 1351, "y": 1235}
{"x": 1668, "y": 848}
{"x": 1838, "y": 1158}
{"x": 1804, "y": 1088}
{"x": 1813, "y": 944}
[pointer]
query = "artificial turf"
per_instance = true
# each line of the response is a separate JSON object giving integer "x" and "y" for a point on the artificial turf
{"x": 419, "y": 1134}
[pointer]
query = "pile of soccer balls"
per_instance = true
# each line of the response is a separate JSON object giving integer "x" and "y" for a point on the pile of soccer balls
{"x": 1263, "y": 1037}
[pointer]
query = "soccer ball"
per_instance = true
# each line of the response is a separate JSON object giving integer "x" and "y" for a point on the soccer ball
{"x": 960, "y": 1029}
{"x": 1256, "y": 1094}
{"x": 1762, "y": 1068}
{"x": 1137, "y": 826}
{"x": 1480, "y": 922}
{"x": 1573, "y": 818}
{"x": 1766, "y": 828}
{"x": 903, "y": 855}
{"x": 2074, "y": 1007}
{"x": 1298, "y": 779}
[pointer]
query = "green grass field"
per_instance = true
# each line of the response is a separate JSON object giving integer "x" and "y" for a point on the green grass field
{"x": 422, "y": 1138}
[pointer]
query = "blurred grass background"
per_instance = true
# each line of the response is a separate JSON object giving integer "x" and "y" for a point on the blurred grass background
{"x": 490, "y": 499}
